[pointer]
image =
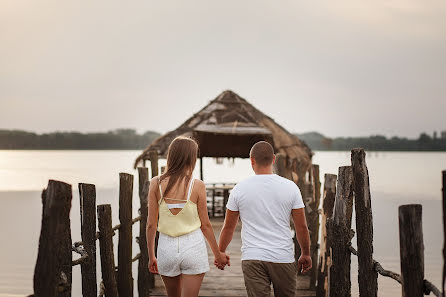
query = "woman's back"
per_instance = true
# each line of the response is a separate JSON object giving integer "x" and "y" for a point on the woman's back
{"x": 177, "y": 195}
{"x": 178, "y": 216}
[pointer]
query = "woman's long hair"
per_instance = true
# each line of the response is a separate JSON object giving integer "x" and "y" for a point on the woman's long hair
{"x": 181, "y": 159}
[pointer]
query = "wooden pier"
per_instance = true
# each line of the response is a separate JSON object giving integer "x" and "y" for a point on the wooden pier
{"x": 229, "y": 282}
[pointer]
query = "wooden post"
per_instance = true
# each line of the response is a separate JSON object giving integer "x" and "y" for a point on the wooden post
{"x": 313, "y": 221}
{"x": 411, "y": 250}
{"x": 213, "y": 201}
{"x": 125, "y": 279}
{"x": 324, "y": 257}
{"x": 280, "y": 167}
{"x": 201, "y": 169}
{"x": 367, "y": 276}
{"x": 444, "y": 231}
{"x": 340, "y": 225}
{"x": 144, "y": 280}
{"x": 154, "y": 166}
{"x": 106, "y": 248}
{"x": 87, "y": 199}
{"x": 52, "y": 273}
{"x": 153, "y": 155}
{"x": 225, "y": 200}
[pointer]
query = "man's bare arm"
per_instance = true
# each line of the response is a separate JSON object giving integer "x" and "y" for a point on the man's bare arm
{"x": 227, "y": 232}
{"x": 303, "y": 237}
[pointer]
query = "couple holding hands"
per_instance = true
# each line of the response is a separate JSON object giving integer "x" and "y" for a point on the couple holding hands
{"x": 264, "y": 202}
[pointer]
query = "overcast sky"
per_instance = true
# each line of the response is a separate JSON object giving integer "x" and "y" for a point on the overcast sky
{"x": 338, "y": 67}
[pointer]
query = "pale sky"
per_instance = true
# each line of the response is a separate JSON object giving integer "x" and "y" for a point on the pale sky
{"x": 343, "y": 68}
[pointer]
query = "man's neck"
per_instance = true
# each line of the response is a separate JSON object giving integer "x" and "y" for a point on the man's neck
{"x": 264, "y": 170}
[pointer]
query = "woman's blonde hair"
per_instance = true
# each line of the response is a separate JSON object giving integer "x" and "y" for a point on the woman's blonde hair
{"x": 181, "y": 158}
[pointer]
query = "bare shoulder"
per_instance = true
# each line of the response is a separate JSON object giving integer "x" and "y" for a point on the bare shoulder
{"x": 199, "y": 184}
{"x": 154, "y": 180}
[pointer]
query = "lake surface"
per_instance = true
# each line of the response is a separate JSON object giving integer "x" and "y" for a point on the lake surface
{"x": 395, "y": 177}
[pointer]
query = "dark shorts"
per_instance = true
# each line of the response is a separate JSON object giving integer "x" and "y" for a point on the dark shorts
{"x": 259, "y": 275}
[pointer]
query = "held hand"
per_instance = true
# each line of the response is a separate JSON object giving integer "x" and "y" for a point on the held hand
{"x": 304, "y": 264}
{"x": 153, "y": 265}
{"x": 221, "y": 261}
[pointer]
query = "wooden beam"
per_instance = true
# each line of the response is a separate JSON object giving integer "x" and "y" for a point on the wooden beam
{"x": 280, "y": 167}
{"x": 106, "y": 248}
{"x": 411, "y": 250}
{"x": 154, "y": 167}
{"x": 53, "y": 271}
{"x": 144, "y": 279}
{"x": 444, "y": 231}
{"x": 201, "y": 169}
{"x": 367, "y": 275}
{"x": 87, "y": 199}
{"x": 313, "y": 222}
{"x": 153, "y": 155}
{"x": 125, "y": 278}
{"x": 324, "y": 257}
{"x": 340, "y": 226}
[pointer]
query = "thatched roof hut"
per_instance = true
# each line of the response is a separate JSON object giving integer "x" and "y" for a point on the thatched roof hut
{"x": 228, "y": 126}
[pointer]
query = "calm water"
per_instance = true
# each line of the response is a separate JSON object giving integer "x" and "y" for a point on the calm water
{"x": 396, "y": 178}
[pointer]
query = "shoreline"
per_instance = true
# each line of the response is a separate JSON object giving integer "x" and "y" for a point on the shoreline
{"x": 141, "y": 149}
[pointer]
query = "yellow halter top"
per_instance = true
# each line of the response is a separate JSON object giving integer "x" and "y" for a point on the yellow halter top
{"x": 186, "y": 221}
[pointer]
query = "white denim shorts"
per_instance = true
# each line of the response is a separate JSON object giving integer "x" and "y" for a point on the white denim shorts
{"x": 185, "y": 254}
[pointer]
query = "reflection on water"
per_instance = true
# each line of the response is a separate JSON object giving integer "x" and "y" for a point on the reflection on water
{"x": 396, "y": 178}
{"x": 412, "y": 174}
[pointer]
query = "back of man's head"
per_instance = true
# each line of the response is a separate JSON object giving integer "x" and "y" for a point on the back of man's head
{"x": 263, "y": 153}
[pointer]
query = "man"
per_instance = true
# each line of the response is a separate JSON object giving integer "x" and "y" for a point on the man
{"x": 265, "y": 202}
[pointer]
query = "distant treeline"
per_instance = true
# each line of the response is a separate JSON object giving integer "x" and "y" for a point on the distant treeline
{"x": 424, "y": 142}
{"x": 128, "y": 139}
{"x": 120, "y": 139}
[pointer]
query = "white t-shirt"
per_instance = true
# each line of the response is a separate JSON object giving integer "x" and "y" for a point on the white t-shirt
{"x": 265, "y": 202}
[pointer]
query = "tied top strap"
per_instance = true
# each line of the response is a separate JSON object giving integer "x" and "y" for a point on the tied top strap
{"x": 191, "y": 185}
{"x": 189, "y": 192}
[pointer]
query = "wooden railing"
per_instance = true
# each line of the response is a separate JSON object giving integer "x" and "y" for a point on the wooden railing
{"x": 53, "y": 270}
{"x": 353, "y": 188}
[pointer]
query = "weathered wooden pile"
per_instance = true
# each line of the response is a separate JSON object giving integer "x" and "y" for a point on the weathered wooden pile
{"x": 53, "y": 271}
{"x": 352, "y": 187}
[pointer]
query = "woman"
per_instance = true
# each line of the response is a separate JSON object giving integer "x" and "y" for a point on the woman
{"x": 179, "y": 202}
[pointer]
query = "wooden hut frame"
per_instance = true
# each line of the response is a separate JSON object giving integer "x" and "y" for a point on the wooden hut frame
{"x": 228, "y": 127}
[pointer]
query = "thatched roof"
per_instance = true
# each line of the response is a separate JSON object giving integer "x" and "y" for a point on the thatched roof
{"x": 227, "y": 127}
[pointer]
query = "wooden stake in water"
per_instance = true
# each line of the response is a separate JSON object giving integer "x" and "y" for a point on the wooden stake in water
{"x": 52, "y": 274}
{"x": 313, "y": 221}
{"x": 367, "y": 275}
{"x": 328, "y": 199}
{"x": 144, "y": 279}
{"x": 340, "y": 226}
{"x": 87, "y": 199}
{"x": 125, "y": 278}
{"x": 444, "y": 230}
{"x": 411, "y": 250}
{"x": 153, "y": 156}
{"x": 106, "y": 247}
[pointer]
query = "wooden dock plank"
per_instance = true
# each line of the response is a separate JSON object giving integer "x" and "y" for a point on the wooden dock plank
{"x": 229, "y": 282}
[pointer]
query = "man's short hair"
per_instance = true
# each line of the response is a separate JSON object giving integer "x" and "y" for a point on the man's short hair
{"x": 263, "y": 153}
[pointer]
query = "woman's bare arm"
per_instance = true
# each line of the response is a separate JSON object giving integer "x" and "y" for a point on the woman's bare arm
{"x": 206, "y": 226}
{"x": 152, "y": 218}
